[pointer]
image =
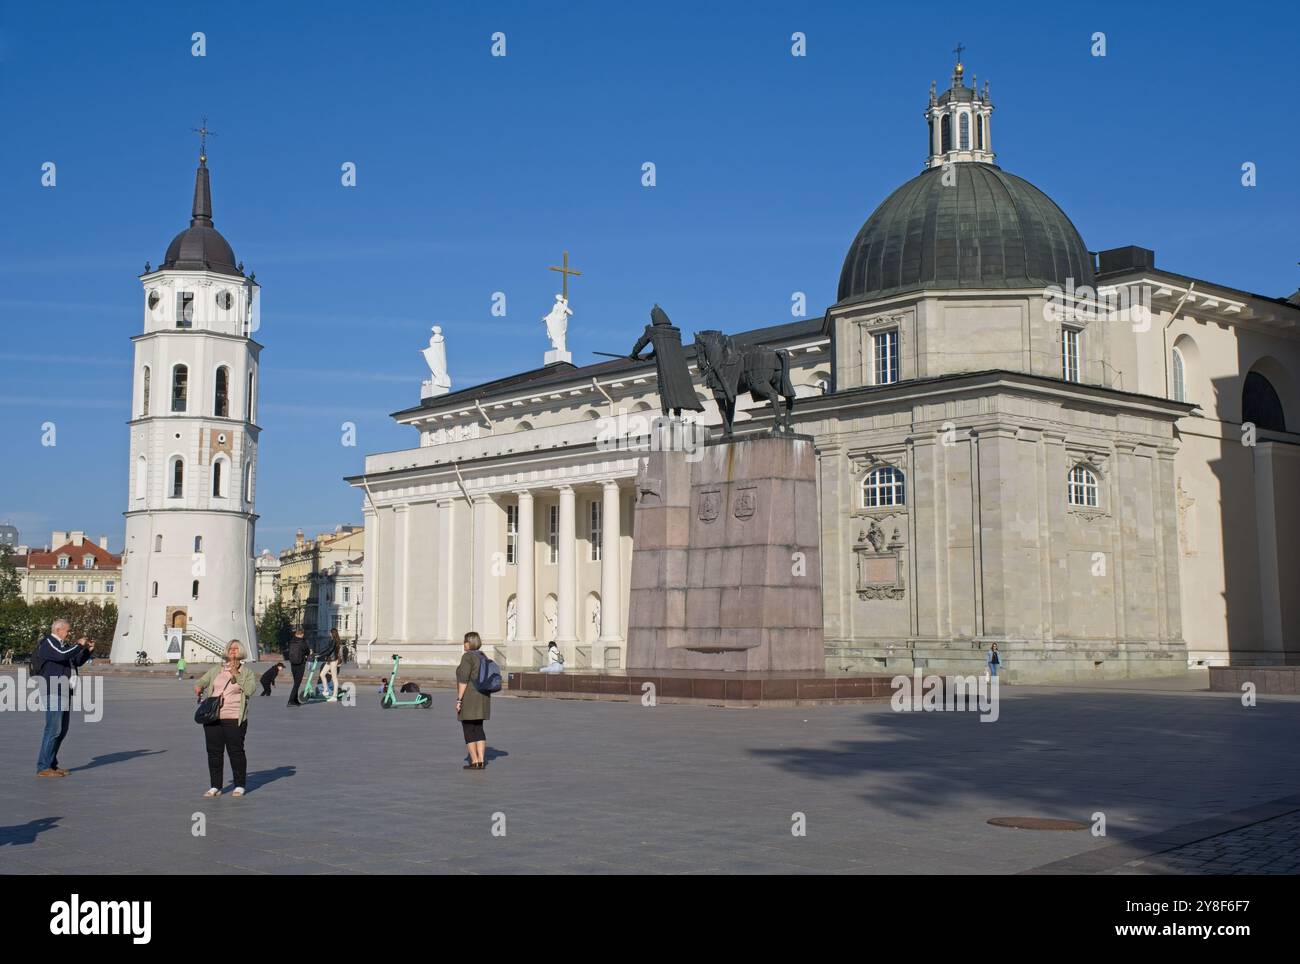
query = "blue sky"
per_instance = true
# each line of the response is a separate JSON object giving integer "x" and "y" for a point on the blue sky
{"x": 475, "y": 172}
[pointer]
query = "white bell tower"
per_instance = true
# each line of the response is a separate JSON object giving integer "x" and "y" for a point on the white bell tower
{"x": 188, "y": 560}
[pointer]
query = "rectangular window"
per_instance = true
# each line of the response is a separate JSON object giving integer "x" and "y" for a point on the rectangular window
{"x": 512, "y": 534}
{"x": 51, "y": 586}
{"x": 553, "y": 535}
{"x": 347, "y": 593}
{"x": 1070, "y": 354}
{"x": 109, "y": 586}
{"x": 184, "y": 309}
{"x": 81, "y": 585}
{"x": 884, "y": 349}
{"x": 88, "y": 562}
{"x": 597, "y": 529}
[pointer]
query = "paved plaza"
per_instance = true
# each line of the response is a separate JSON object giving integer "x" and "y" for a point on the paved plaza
{"x": 598, "y": 786}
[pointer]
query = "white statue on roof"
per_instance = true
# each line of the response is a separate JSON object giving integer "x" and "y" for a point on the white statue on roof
{"x": 435, "y": 356}
{"x": 557, "y": 326}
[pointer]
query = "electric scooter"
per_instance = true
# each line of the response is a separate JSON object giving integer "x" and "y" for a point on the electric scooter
{"x": 391, "y": 698}
{"x": 308, "y": 694}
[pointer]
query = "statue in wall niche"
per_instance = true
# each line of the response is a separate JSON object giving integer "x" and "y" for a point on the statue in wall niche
{"x": 676, "y": 390}
{"x": 512, "y": 619}
{"x": 876, "y": 536}
{"x": 730, "y": 368}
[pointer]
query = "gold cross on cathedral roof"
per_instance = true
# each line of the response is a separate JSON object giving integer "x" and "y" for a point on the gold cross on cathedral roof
{"x": 565, "y": 271}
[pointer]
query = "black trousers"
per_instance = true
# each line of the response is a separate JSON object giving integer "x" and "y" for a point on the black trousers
{"x": 226, "y": 736}
{"x": 297, "y": 669}
{"x": 266, "y": 689}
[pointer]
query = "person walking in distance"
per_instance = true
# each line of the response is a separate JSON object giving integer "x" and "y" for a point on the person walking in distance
{"x": 472, "y": 706}
{"x": 54, "y": 663}
{"x": 234, "y": 683}
{"x": 331, "y": 667}
{"x": 180, "y": 668}
{"x": 297, "y": 664}
{"x": 993, "y": 662}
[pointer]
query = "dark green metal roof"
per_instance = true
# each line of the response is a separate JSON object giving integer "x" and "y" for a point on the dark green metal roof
{"x": 987, "y": 229}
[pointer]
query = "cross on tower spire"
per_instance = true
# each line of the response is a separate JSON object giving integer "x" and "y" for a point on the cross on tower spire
{"x": 203, "y": 133}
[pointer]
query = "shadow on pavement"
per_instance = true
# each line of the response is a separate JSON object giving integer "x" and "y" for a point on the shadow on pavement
{"x": 261, "y": 778}
{"x": 121, "y": 756}
{"x": 26, "y": 833}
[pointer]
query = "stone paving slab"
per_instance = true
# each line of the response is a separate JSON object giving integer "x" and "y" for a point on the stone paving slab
{"x": 598, "y": 787}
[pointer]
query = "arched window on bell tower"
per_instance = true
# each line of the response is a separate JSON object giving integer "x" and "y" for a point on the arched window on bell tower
{"x": 221, "y": 395}
{"x": 180, "y": 388}
{"x": 964, "y": 122}
{"x": 144, "y": 399}
{"x": 946, "y": 134}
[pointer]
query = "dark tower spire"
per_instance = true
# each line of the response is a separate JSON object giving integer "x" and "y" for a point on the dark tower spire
{"x": 202, "y": 213}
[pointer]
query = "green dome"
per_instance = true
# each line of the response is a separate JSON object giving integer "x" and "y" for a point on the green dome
{"x": 989, "y": 229}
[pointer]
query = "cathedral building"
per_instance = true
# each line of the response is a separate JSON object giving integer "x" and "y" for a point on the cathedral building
{"x": 1081, "y": 456}
{"x": 188, "y": 560}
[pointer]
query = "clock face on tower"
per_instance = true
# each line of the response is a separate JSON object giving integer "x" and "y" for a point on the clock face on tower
{"x": 225, "y": 299}
{"x": 154, "y": 300}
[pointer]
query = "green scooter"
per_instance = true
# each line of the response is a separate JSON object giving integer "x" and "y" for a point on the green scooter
{"x": 308, "y": 694}
{"x": 391, "y": 698}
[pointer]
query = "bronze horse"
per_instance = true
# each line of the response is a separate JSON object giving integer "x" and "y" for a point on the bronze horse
{"x": 729, "y": 368}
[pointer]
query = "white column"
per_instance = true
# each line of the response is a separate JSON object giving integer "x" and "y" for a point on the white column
{"x": 525, "y": 581}
{"x": 401, "y": 544}
{"x": 486, "y": 615}
{"x": 446, "y": 583}
{"x": 611, "y": 596}
{"x": 566, "y": 578}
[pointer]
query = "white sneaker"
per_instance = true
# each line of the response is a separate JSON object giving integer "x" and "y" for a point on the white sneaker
{"x": 238, "y": 792}
{"x": 212, "y": 792}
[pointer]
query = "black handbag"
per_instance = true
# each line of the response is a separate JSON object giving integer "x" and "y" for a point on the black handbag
{"x": 209, "y": 710}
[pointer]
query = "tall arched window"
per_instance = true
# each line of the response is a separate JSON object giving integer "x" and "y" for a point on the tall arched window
{"x": 144, "y": 397}
{"x": 979, "y": 132}
{"x": 180, "y": 388}
{"x": 198, "y": 543}
{"x": 218, "y": 489}
{"x": 248, "y": 482}
{"x": 1261, "y": 405}
{"x": 883, "y": 487}
{"x": 141, "y": 477}
{"x": 178, "y": 477}
{"x": 1178, "y": 371}
{"x": 194, "y": 589}
{"x": 964, "y": 127}
{"x": 1082, "y": 487}
{"x": 157, "y": 543}
{"x": 945, "y": 133}
{"x": 221, "y": 395}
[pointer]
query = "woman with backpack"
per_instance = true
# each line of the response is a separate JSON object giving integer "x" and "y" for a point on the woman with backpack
{"x": 472, "y": 705}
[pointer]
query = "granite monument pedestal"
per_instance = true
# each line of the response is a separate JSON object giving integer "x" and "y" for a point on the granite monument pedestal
{"x": 726, "y": 569}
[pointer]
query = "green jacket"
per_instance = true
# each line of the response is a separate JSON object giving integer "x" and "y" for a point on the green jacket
{"x": 245, "y": 678}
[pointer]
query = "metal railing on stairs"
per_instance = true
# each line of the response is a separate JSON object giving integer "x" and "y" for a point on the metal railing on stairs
{"x": 206, "y": 640}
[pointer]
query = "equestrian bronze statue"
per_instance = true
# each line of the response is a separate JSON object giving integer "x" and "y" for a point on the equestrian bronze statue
{"x": 730, "y": 367}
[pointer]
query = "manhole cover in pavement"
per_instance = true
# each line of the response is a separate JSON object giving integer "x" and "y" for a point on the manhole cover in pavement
{"x": 1037, "y": 823}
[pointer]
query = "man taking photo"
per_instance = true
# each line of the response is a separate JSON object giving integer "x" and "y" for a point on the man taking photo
{"x": 55, "y": 662}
